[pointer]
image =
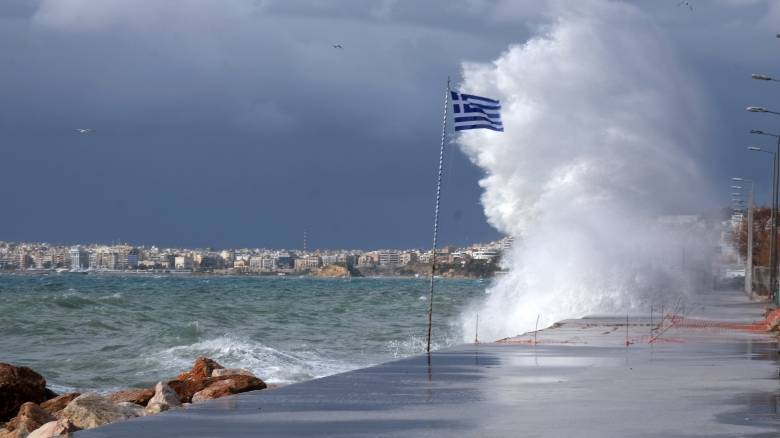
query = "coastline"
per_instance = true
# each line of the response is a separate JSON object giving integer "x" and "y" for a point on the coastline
{"x": 699, "y": 379}
{"x": 475, "y": 388}
{"x": 30, "y": 408}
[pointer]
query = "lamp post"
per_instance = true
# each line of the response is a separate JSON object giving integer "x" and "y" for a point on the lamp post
{"x": 761, "y": 77}
{"x": 760, "y": 109}
{"x": 749, "y": 252}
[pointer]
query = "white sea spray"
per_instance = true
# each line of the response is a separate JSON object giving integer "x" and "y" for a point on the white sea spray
{"x": 599, "y": 142}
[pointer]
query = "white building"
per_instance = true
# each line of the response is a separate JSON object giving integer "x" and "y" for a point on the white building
{"x": 329, "y": 259}
{"x": 183, "y": 262}
{"x": 79, "y": 259}
{"x": 389, "y": 258}
{"x": 484, "y": 254}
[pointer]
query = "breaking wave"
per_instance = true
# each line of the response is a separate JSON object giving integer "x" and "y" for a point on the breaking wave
{"x": 598, "y": 144}
{"x": 273, "y": 365}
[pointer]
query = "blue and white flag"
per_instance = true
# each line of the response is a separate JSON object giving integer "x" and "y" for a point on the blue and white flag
{"x": 475, "y": 112}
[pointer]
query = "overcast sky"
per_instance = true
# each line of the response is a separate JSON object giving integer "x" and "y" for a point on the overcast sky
{"x": 236, "y": 123}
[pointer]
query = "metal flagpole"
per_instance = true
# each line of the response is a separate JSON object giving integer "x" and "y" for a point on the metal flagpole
{"x": 436, "y": 210}
{"x": 749, "y": 255}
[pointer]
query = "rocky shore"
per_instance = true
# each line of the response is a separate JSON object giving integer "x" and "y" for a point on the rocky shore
{"x": 28, "y": 409}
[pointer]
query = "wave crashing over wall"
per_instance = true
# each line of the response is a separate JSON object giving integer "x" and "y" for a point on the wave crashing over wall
{"x": 597, "y": 145}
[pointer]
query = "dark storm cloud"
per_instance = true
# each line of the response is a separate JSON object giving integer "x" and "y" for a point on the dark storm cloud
{"x": 236, "y": 122}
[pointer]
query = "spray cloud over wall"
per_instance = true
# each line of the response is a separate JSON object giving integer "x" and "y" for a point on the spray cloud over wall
{"x": 597, "y": 144}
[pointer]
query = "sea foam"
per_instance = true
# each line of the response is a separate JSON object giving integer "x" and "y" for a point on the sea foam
{"x": 271, "y": 364}
{"x": 598, "y": 143}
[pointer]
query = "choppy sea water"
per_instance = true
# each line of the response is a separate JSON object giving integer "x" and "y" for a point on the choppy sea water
{"x": 105, "y": 332}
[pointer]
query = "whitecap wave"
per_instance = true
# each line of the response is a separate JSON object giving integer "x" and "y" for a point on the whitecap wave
{"x": 114, "y": 296}
{"x": 270, "y": 364}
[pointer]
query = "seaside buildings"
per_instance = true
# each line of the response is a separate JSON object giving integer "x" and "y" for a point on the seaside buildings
{"x": 24, "y": 256}
{"x": 79, "y": 259}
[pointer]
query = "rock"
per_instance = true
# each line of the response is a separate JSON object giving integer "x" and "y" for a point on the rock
{"x": 51, "y": 394}
{"x": 155, "y": 408}
{"x": 92, "y": 410}
{"x": 17, "y": 386}
{"x": 58, "y": 403}
{"x": 54, "y": 428}
{"x": 219, "y": 372}
{"x": 217, "y": 389}
{"x": 185, "y": 389}
{"x": 164, "y": 398}
{"x": 232, "y": 385}
{"x": 200, "y": 370}
{"x": 332, "y": 271}
{"x": 137, "y": 396}
{"x": 131, "y": 408}
{"x": 30, "y": 417}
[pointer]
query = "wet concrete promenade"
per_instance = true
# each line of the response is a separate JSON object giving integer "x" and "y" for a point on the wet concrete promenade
{"x": 701, "y": 371}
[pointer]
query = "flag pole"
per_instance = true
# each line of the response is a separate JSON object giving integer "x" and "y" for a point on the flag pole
{"x": 436, "y": 210}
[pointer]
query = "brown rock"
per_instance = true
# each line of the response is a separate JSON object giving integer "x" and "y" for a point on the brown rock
{"x": 17, "y": 386}
{"x": 332, "y": 271}
{"x": 58, "y": 403}
{"x": 137, "y": 396}
{"x": 231, "y": 372}
{"x": 54, "y": 428}
{"x": 200, "y": 370}
{"x": 215, "y": 390}
{"x": 232, "y": 385}
{"x": 30, "y": 417}
{"x": 185, "y": 389}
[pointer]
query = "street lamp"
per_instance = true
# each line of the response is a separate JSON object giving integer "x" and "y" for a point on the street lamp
{"x": 761, "y": 77}
{"x": 760, "y": 132}
{"x": 760, "y": 109}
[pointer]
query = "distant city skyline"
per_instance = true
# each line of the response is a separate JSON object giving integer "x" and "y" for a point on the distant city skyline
{"x": 41, "y": 256}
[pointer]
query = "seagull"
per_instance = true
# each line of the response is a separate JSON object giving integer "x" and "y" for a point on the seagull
{"x": 686, "y": 4}
{"x": 337, "y": 46}
{"x": 84, "y": 130}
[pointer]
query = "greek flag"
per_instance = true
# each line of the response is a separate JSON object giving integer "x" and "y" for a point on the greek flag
{"x": 475, "y": 112}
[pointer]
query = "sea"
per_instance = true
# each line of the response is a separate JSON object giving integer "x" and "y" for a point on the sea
{"x": 109, "y": 332}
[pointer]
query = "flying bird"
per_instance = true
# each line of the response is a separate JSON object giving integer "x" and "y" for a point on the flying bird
{"x": 685, "y": 3}
{"x": 337, "y": 46}
{"x": 84, "y": 130}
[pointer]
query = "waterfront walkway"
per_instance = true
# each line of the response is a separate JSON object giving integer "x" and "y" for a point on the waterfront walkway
{"x": 703, "y": 370}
